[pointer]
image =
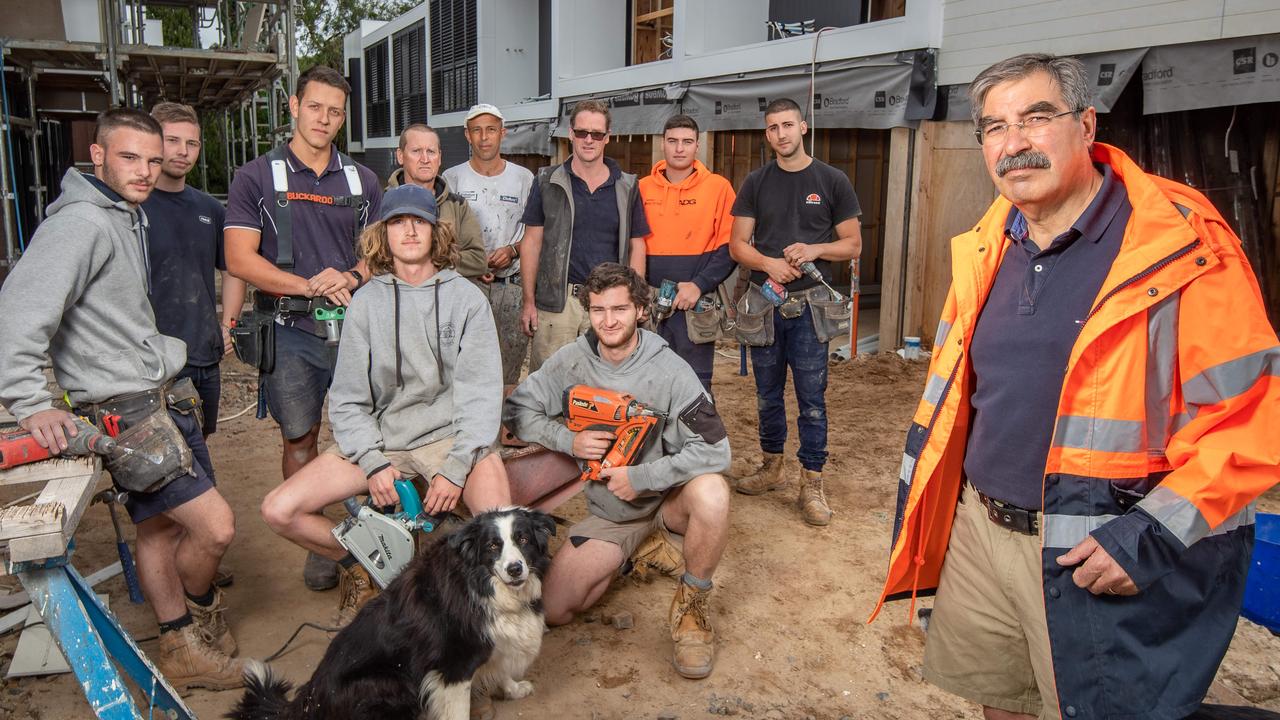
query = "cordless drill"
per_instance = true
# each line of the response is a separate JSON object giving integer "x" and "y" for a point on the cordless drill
{"x": 808, "y": 268}
{"x": 19, "y": 447}
{"x": 330, "y": 316}
{"x": 630, "y": 421}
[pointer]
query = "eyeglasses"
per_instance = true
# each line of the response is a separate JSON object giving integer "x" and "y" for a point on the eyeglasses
{"x": 1033, "y": 126}
{"x": 595, "y": 134}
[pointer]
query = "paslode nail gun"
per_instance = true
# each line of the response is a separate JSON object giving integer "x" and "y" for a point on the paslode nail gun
{"x": 631, "y": 422}
{"x": 383, "y": 541}
{"x": 19, "y": 447}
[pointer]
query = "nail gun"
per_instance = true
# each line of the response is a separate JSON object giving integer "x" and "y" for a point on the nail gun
{"x": 383, "y": 541}
{"x": 631, "y": 422}
{"x": 19, "y": 447}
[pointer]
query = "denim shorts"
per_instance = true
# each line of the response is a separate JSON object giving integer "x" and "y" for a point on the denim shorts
{"x": 146, "y": 505}
{"x": 297, "y": 385}
{"x": 208, "y": 382}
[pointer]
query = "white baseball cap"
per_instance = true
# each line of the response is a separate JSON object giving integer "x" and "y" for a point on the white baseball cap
{"x": 484, "y": 109}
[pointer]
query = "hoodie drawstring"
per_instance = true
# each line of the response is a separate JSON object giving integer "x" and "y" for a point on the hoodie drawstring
{"x": 439, "y": 347}
{"x": 395, "y": 287}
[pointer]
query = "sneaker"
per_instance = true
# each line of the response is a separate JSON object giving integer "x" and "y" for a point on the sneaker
{"x": 355, "y": 589}
{"x": 657, "y": 554}
{"x": 320, "y": 573}
{"x": 691, "y": 630}
{"x": 188, "y": 660}
{"x": 813, "y": 500}
{"x": 212, "y": 623}
{"x": 768, "y": 477}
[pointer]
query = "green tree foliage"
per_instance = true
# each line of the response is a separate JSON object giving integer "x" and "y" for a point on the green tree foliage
{"x": 178, "y": 30}
{"x": 323, "y": 23}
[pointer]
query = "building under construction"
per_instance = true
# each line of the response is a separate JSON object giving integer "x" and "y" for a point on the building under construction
{"x": 67, "y": 60}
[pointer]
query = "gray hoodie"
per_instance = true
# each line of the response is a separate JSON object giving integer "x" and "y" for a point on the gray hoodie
{"x": 79, "y": 295}
{"x": 692, "y": 441}
{"x": 397, "y": 385}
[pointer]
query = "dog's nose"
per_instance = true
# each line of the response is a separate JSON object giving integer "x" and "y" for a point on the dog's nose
{"x": 515, "y": 569}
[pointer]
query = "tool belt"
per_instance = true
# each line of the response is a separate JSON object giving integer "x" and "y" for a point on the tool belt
{"x": 1010, "y": 517}
{"x": 140, "y": 422}
{"x": 831, "y": 317}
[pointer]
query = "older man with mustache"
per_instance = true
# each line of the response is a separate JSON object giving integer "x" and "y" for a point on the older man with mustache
{"x": 1079, "y": 479}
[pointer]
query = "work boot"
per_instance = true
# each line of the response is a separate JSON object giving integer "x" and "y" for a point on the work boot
{"x": 212, "y": 623}
{"x": 813, "y": 500}
{"x": 188, "y": 660}
{"x": 691, "y": 630}
{"x": 320, "y": 573}
{"x": 355, "y": 588}
{"x": 223, "y": 578}
{"x": 481, "y": 706}
{"x": 657, "y": 554}
{"x": 767, "y": 478}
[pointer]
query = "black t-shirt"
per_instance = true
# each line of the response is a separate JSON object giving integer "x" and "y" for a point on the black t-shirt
{"x": 185, "y": 239}
{"x": 791, "y": 207}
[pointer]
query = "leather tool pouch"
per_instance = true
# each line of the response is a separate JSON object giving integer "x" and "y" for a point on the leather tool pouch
{"x": 160, "y": 453}
{"x": 755, "y": 318}
{"x": 183, "y": 397}
{"x": 703, "y": 325}
{"x": 831, "y": 318}
{"x": 254, "y": 339}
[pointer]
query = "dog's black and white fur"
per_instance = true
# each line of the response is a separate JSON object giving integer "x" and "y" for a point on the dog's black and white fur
{"x": 466, "y": 613}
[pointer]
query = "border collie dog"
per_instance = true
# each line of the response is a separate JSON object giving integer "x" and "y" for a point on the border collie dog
{"x": 465, "y": 616}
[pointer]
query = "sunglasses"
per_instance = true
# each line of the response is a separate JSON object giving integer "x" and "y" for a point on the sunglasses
{"x": 594, "y": 134}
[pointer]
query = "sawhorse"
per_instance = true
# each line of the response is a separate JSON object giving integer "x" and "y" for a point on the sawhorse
{"x": 40, "y": 547}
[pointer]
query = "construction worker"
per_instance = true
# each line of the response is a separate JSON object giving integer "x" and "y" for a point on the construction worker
{"x": 497, "y": 190}
{"x": 399, "y": 405}
{"x": 580, "y": 213}
{"x": 419, "y": 157}
{"x": 293, "y": 217}
{"x": 669, "y": 511}
{"x": 798, "y": 209}
{"x": 688, "y": 207}
{"x": 79, "y": 296}
{"x": 1104, "y": 434}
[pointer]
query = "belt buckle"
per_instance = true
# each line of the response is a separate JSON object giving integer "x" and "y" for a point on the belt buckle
{"x": 1011, "y": 517}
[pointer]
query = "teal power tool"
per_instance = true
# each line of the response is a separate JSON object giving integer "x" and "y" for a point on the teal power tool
{"x": 383, "y": 541}
{"x": 330, "y": 316}
{"x": 666, "y": 297}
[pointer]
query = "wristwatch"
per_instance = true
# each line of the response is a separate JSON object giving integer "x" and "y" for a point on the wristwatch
{"x": 356, "y": 274}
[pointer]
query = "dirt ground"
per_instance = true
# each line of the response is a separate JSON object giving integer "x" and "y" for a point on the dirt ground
{"x": 790, "y": 607}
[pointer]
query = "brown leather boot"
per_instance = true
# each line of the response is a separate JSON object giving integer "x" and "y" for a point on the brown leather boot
{"x": 768, "y": 477}
{"x": 213, "y": 623}
{"x": 355, "y": 588}
{"x": 188, "y": 660}
{"x": 657, "y": 554}
{"x": 813, "y": 500}
{"x": 691, "y": 630}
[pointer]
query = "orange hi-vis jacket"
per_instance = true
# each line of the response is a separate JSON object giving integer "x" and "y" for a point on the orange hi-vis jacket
{"x": 1165, "y": 435}
{"x": 690, "y": 223}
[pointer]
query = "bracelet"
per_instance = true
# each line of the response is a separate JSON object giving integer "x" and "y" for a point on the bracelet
{"x": 356, "y": 274}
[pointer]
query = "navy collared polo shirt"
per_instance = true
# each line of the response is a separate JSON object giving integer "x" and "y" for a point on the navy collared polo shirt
{"x": 1023, "y": 339}
{"x": 323, "y": 235}
{"x": 595, "y": 221}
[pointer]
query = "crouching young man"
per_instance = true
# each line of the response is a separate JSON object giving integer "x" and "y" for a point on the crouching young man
{"x": 417, "y": 392}
{"x": 674, "y": 495}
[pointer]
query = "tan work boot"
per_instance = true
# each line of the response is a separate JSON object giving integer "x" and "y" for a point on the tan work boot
{"x": 189, "y": 661}
{"x": 657, "y": 554}
{"x": 355, "y": 588}
{"x": 768, "y": 477}
{"x": 813, "y": 500}
{"x": 212, "y": 623}
{"x": 691, "y": 629}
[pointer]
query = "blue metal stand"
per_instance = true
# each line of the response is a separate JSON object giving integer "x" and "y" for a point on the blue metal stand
{"x": 91, "y": 638}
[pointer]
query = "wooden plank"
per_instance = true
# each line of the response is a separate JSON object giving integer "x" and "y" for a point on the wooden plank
{"x": 48, "y": 470}
{"x": 895, "y": 239}
{"x": 74, "y": 494}
{"x": 37, "y": 519}
{"x": 922, "y": 191}
{"x": 664, "y": 12}
{"x": 37, "y": 547}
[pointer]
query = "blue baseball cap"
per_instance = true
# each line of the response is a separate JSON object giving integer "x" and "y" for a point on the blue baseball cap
{"x": 409, "y": 200}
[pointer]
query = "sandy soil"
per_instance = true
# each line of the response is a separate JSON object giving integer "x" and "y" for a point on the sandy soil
{"x": 790, "y": 607}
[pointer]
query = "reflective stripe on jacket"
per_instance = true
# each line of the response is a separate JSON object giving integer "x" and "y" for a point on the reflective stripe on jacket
{"x": 1165, "y": 435}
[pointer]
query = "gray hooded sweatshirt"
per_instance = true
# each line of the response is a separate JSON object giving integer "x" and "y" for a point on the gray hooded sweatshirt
{"x": 79, "y": 294}
{"x": 397, "y": 385}
{"x": 691, "y": 441}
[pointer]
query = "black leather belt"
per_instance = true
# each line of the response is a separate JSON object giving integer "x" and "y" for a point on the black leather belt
{"x": 508, "y": 280}
{"x": 1010, "y": 517}
{"x": 575, "y": 289}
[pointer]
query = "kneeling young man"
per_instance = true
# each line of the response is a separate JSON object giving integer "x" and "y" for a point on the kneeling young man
{"x": 642, "y": 510}
{"x": 399, "y": 406}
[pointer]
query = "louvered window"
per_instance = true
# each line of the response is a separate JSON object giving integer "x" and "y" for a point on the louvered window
{"x": 409, "y": 74}
{"x": 453, "y": 55}
{"x": 377, "y": 90}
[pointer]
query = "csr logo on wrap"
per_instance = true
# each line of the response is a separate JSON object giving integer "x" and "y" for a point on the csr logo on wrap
{"x": 723, "y": 107}
{"x": 827, "y": 102}
{"x": 884, "y": 100}
{"x": 1244, "y": 60}
{"x": 1106, "y": 74}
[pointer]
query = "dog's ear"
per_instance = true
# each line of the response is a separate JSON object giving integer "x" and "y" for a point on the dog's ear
{"x": 463, "y": 540}
{"x": 543, "y": 524}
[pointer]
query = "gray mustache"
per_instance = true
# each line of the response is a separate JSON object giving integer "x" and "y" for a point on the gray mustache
{"x": 1027, "y": 160}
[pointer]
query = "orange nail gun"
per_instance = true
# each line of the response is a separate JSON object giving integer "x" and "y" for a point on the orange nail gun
{"x": 19, "y": 447}
{"x": 591, "y": 408}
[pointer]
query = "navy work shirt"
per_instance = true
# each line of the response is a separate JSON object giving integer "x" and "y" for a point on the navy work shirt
{"x": 185, "y": 241}
{"x": 595, "y": 221}
{"x": 1023, "y": 340}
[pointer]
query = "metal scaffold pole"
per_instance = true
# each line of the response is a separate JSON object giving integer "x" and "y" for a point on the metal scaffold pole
{"x": 36, "y": 150}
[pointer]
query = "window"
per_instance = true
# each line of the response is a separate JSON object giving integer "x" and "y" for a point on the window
{"x": 453, "y": 55}
{"x": 377, "y": 90}
{"x": 409, "y": 75}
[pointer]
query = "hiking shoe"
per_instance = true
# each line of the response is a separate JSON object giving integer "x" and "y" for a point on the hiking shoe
{"x": 189, "y": 661}
{"x": 320, "y": 573}
{"x": 212, "y": 623}
{"x": 657, "y": 554}
{"x": 813, "y": 500}
{"x": 767, "y": 478}
{"x": 691, "y": 630}
{"x": 355, "y": 588}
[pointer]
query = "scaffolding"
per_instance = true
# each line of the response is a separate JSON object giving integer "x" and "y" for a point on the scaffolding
{"x": 243, "y": 80}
